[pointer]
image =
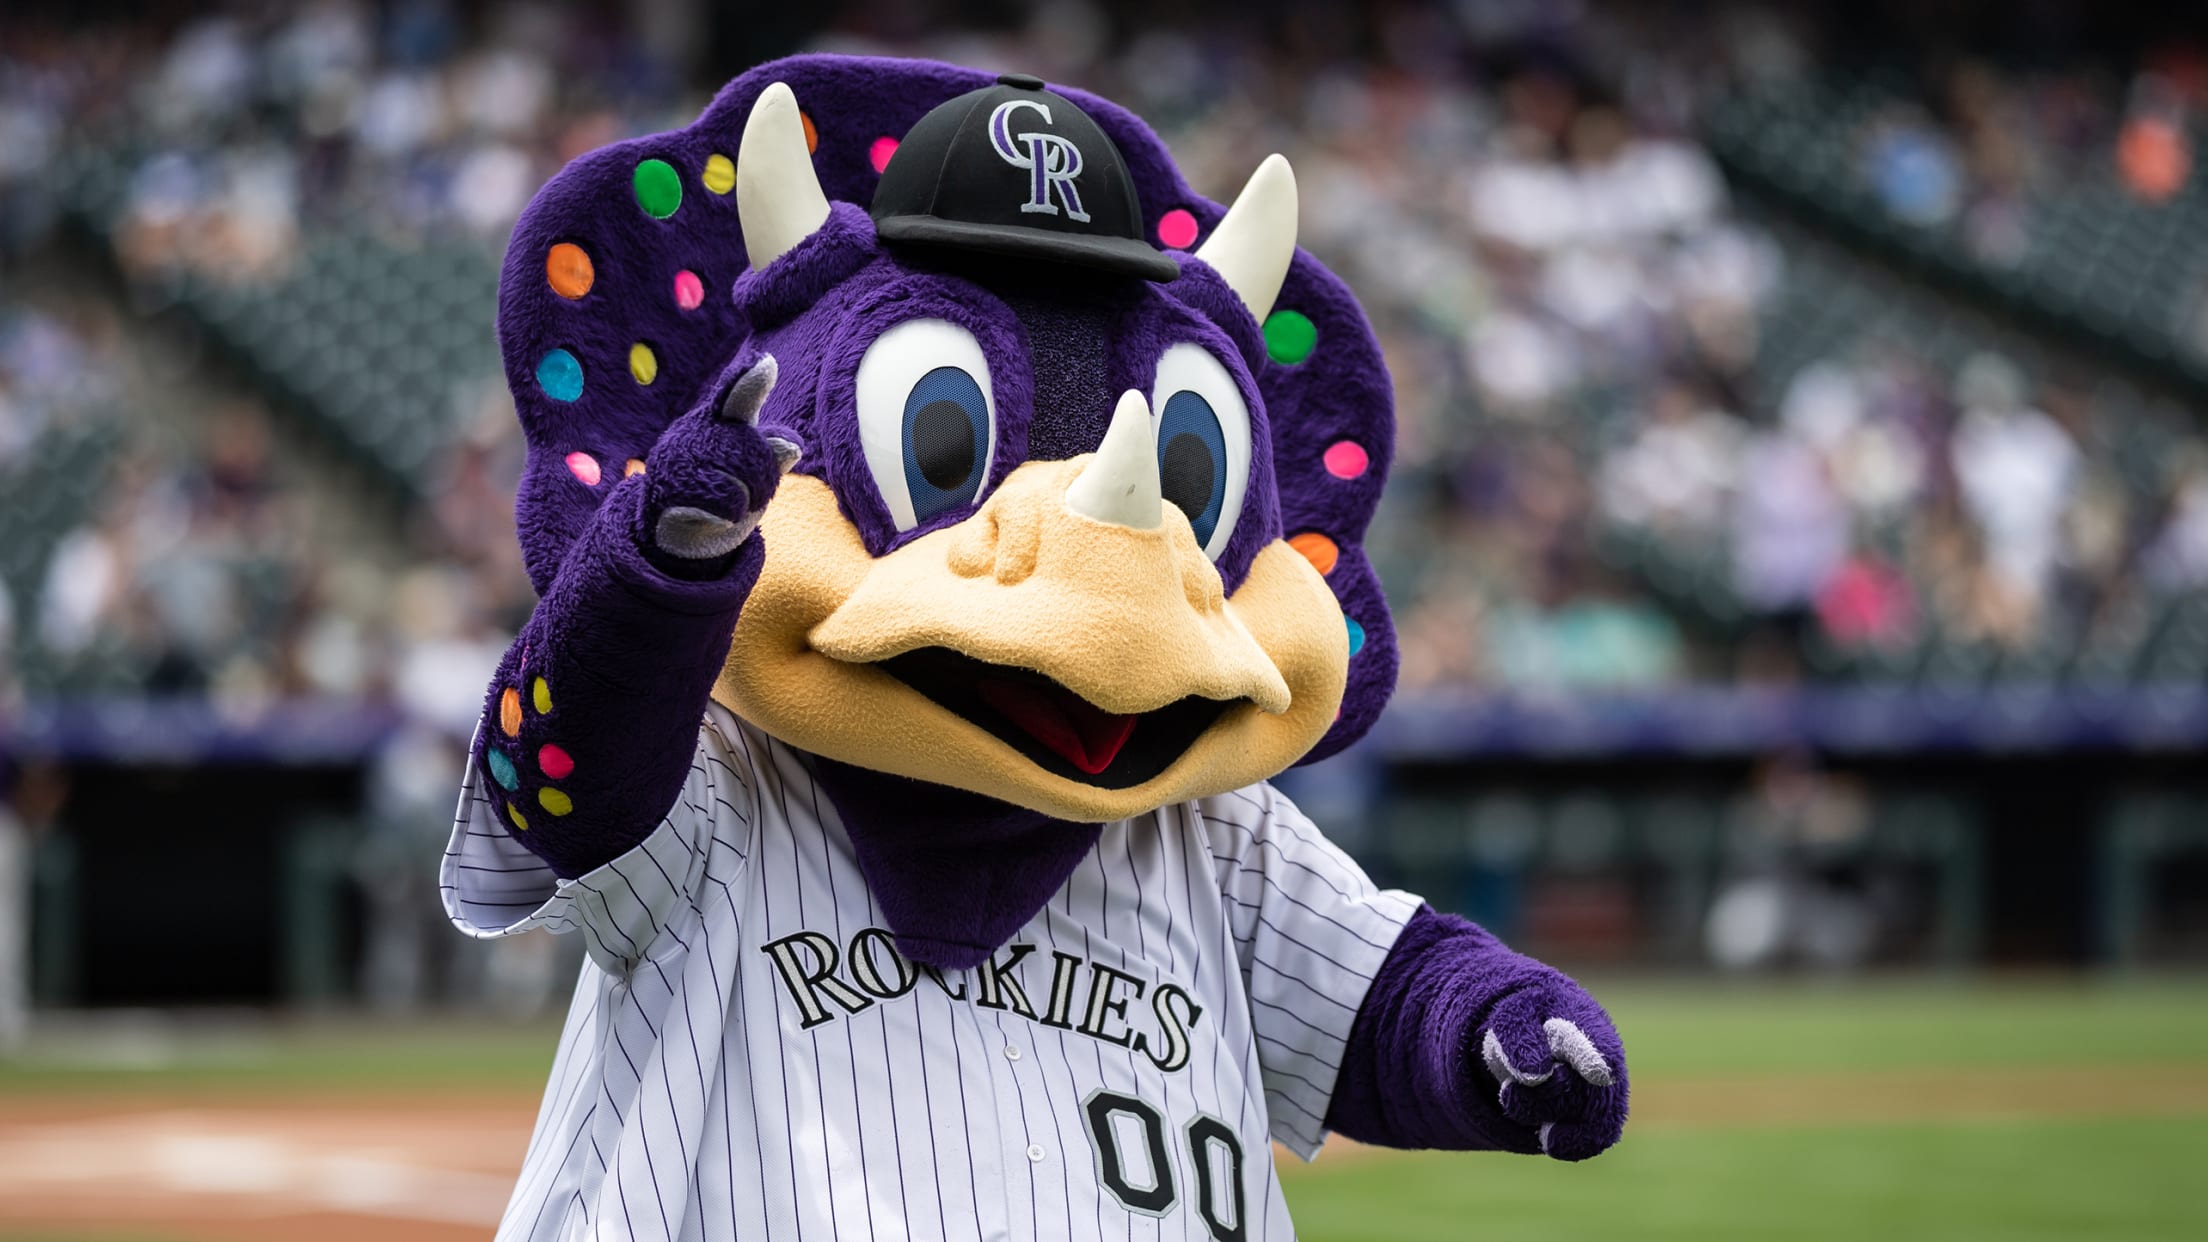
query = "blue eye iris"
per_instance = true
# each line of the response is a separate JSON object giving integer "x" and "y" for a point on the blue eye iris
{"x": 1192, "y": 461}
{"x": 946, "y": 438}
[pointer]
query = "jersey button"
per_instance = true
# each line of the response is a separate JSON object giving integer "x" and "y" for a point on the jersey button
{"x": 1011, "y": 1052}
{"x": 1036, "y": 1153}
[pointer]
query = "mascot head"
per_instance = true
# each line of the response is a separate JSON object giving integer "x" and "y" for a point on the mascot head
{"x": 1087, "y": 460}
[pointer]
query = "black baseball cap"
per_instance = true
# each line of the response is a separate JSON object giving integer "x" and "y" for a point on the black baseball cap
{"x": 1018, "y": 171}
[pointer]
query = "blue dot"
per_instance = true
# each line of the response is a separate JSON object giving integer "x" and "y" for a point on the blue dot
{"x": 502, "y": 768}
{"x": 1356, "y": 635}
{"x": 560, "y": 376}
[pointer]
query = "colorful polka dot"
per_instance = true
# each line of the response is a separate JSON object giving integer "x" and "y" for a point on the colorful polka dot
{"x": 541, "y": 695}
{"x": 1346, "y": 459}
{"x": 634, "y": 465}
{"x": 658, "y": 189}
{"x": 583, "y": 466}
{"x": 560, "y": 376}
{"x": 878, "y": 154}
{"x": 689, "y": 290}
{"x": 643, "y": 363}
{"x": 509, "y": 712}
{"x": 1356, "y": 635}
{"x": 1289, "y": 336}
{"x": 555, "y": 762}
{"x": 719, "y": 175}
{"x": 1317, "y": 549}
{"x": 1177, "y": 228}
{"x": 514, "y": 813}
{"x": 502, "y": 768}
{"x": 812, "y": 135}
{"x": 555, "y": 801}
{"x": 567, "y": 269}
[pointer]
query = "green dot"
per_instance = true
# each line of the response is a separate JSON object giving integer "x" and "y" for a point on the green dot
{"x": 658, "y": 189}
{"x": 1289, "y": 337}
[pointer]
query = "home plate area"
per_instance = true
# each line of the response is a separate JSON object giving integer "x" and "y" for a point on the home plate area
{"x": 330, "y": 1169}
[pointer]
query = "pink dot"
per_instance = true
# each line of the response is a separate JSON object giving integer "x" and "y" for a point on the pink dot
{"x": 689, "y": 290}
{"x": 1177, "y": 228}
{"x": 555, "y": 762}
{"x": 1346, "y": 459}
{"x": 884, "y": 147}
{"x": 584, "y": 466}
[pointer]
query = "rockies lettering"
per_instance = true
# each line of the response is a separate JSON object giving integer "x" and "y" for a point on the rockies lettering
{"x": 808, "y": 962}
{"x": 749, "y": 1056}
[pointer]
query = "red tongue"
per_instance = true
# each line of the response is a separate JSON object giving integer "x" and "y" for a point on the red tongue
{"x": 1083, "y": 735}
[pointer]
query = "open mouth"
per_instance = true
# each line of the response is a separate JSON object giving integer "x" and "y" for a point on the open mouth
{"x": 1054, "y": 728}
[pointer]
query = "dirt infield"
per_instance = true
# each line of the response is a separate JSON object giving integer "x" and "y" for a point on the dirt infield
{"x": 373, "y": 1167}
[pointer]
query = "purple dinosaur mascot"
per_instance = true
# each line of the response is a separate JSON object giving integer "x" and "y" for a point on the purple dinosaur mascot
{"x": 946, "y": 522}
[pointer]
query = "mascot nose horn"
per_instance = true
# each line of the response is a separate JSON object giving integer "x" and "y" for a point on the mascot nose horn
{"x": 1120, "y": 484}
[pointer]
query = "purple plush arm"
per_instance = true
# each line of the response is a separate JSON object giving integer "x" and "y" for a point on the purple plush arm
{"x": 1463, "y": 1044}
{"x": 591, "y": 723}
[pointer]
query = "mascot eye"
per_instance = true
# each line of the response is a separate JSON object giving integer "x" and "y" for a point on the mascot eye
{"x": 1203, "y": 442}
{"x": 926, "y": 420}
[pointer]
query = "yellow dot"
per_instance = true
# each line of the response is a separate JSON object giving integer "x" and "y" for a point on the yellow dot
{"x": 541, "y": 694}
{"x": 509, "y": 712}
{"x": 643, "y": 363}
{"x": 514, "y": 813}
{"x": 719, "y": 175}
{"x": 554, "y": 800}
{"x": 635, "y": 465}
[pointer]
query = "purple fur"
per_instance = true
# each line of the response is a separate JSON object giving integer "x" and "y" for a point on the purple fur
{"x": 630, "y": 654}
{"x": 1340, "y": 392}
{"x": 959, "y": 873}
{"x": 629, "y": 642}
{"x": 1412, "y": 1075}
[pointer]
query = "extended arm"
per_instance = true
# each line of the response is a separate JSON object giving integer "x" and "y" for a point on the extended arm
{"x": 591, "y": 723}
{"x": 1462, "y": 1043}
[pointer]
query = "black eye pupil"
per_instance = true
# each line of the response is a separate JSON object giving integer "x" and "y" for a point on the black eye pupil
{"x": 1185, "y": 474}
{"x": 943, "y": 444}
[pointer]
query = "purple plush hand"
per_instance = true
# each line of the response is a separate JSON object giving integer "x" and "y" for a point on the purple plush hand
{"x": 1558, "y": 1068}
{"x": 710, "y": 476}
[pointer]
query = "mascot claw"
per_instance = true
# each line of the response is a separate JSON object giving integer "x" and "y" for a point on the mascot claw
{"x": 1573, "y": 1114}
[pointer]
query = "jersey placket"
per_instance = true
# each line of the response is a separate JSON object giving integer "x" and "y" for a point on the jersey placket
{"x": 1022, "y": 1152}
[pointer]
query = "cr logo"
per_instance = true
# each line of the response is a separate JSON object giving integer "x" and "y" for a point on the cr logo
{"x": 1052, "y": 162}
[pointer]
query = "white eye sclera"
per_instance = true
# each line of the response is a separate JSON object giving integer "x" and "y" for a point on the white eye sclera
{"x": 1203, "y": 442}
{"x": 927, "y": 418}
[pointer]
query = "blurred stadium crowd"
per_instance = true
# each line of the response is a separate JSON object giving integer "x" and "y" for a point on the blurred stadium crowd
{"x": 1650, "y": 433}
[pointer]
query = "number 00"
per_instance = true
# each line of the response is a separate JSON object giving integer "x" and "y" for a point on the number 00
{"x": 1219, "y": 1205}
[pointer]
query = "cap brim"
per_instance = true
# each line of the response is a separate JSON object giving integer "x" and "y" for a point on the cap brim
{"x": 1123, "y": 256}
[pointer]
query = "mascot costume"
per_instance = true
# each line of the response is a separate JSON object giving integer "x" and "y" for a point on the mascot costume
{"x": 946, "y": 521}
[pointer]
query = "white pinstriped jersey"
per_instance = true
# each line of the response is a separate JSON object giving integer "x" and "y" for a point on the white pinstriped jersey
{"x": 748, "y": 1057}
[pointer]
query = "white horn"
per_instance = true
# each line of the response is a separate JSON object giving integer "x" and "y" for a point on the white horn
{"x": 1256, "y": 239}
{"x": 1120, "y": 484}
{"x": 778, "y": 199}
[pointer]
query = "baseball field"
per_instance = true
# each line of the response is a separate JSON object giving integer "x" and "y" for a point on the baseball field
{"x": 1920, "y": 1109}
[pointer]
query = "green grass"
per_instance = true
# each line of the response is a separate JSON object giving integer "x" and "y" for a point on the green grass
{"x": 232, "y": 1056}
{"x": 2129, "y": 1178}
{"x": 2102, "y": 1179}
{"x": 1700, "y": 1029}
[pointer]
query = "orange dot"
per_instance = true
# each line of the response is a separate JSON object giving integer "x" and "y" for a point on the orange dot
{"x": 509, "y": 712}
{"x": 634, "y": 465}
{"x": 1317, "y": 549}
{"x": 812, "y": 136}
{"x": 569, "y": 270}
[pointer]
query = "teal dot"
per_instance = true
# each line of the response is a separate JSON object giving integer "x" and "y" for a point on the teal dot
{"x": 560, "y": 376}
{"x": 658, "y": 188}
{"x": 502, "y": 768}
{"x": 1356, "y": 635}
{"x": 1290, "y": 336}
